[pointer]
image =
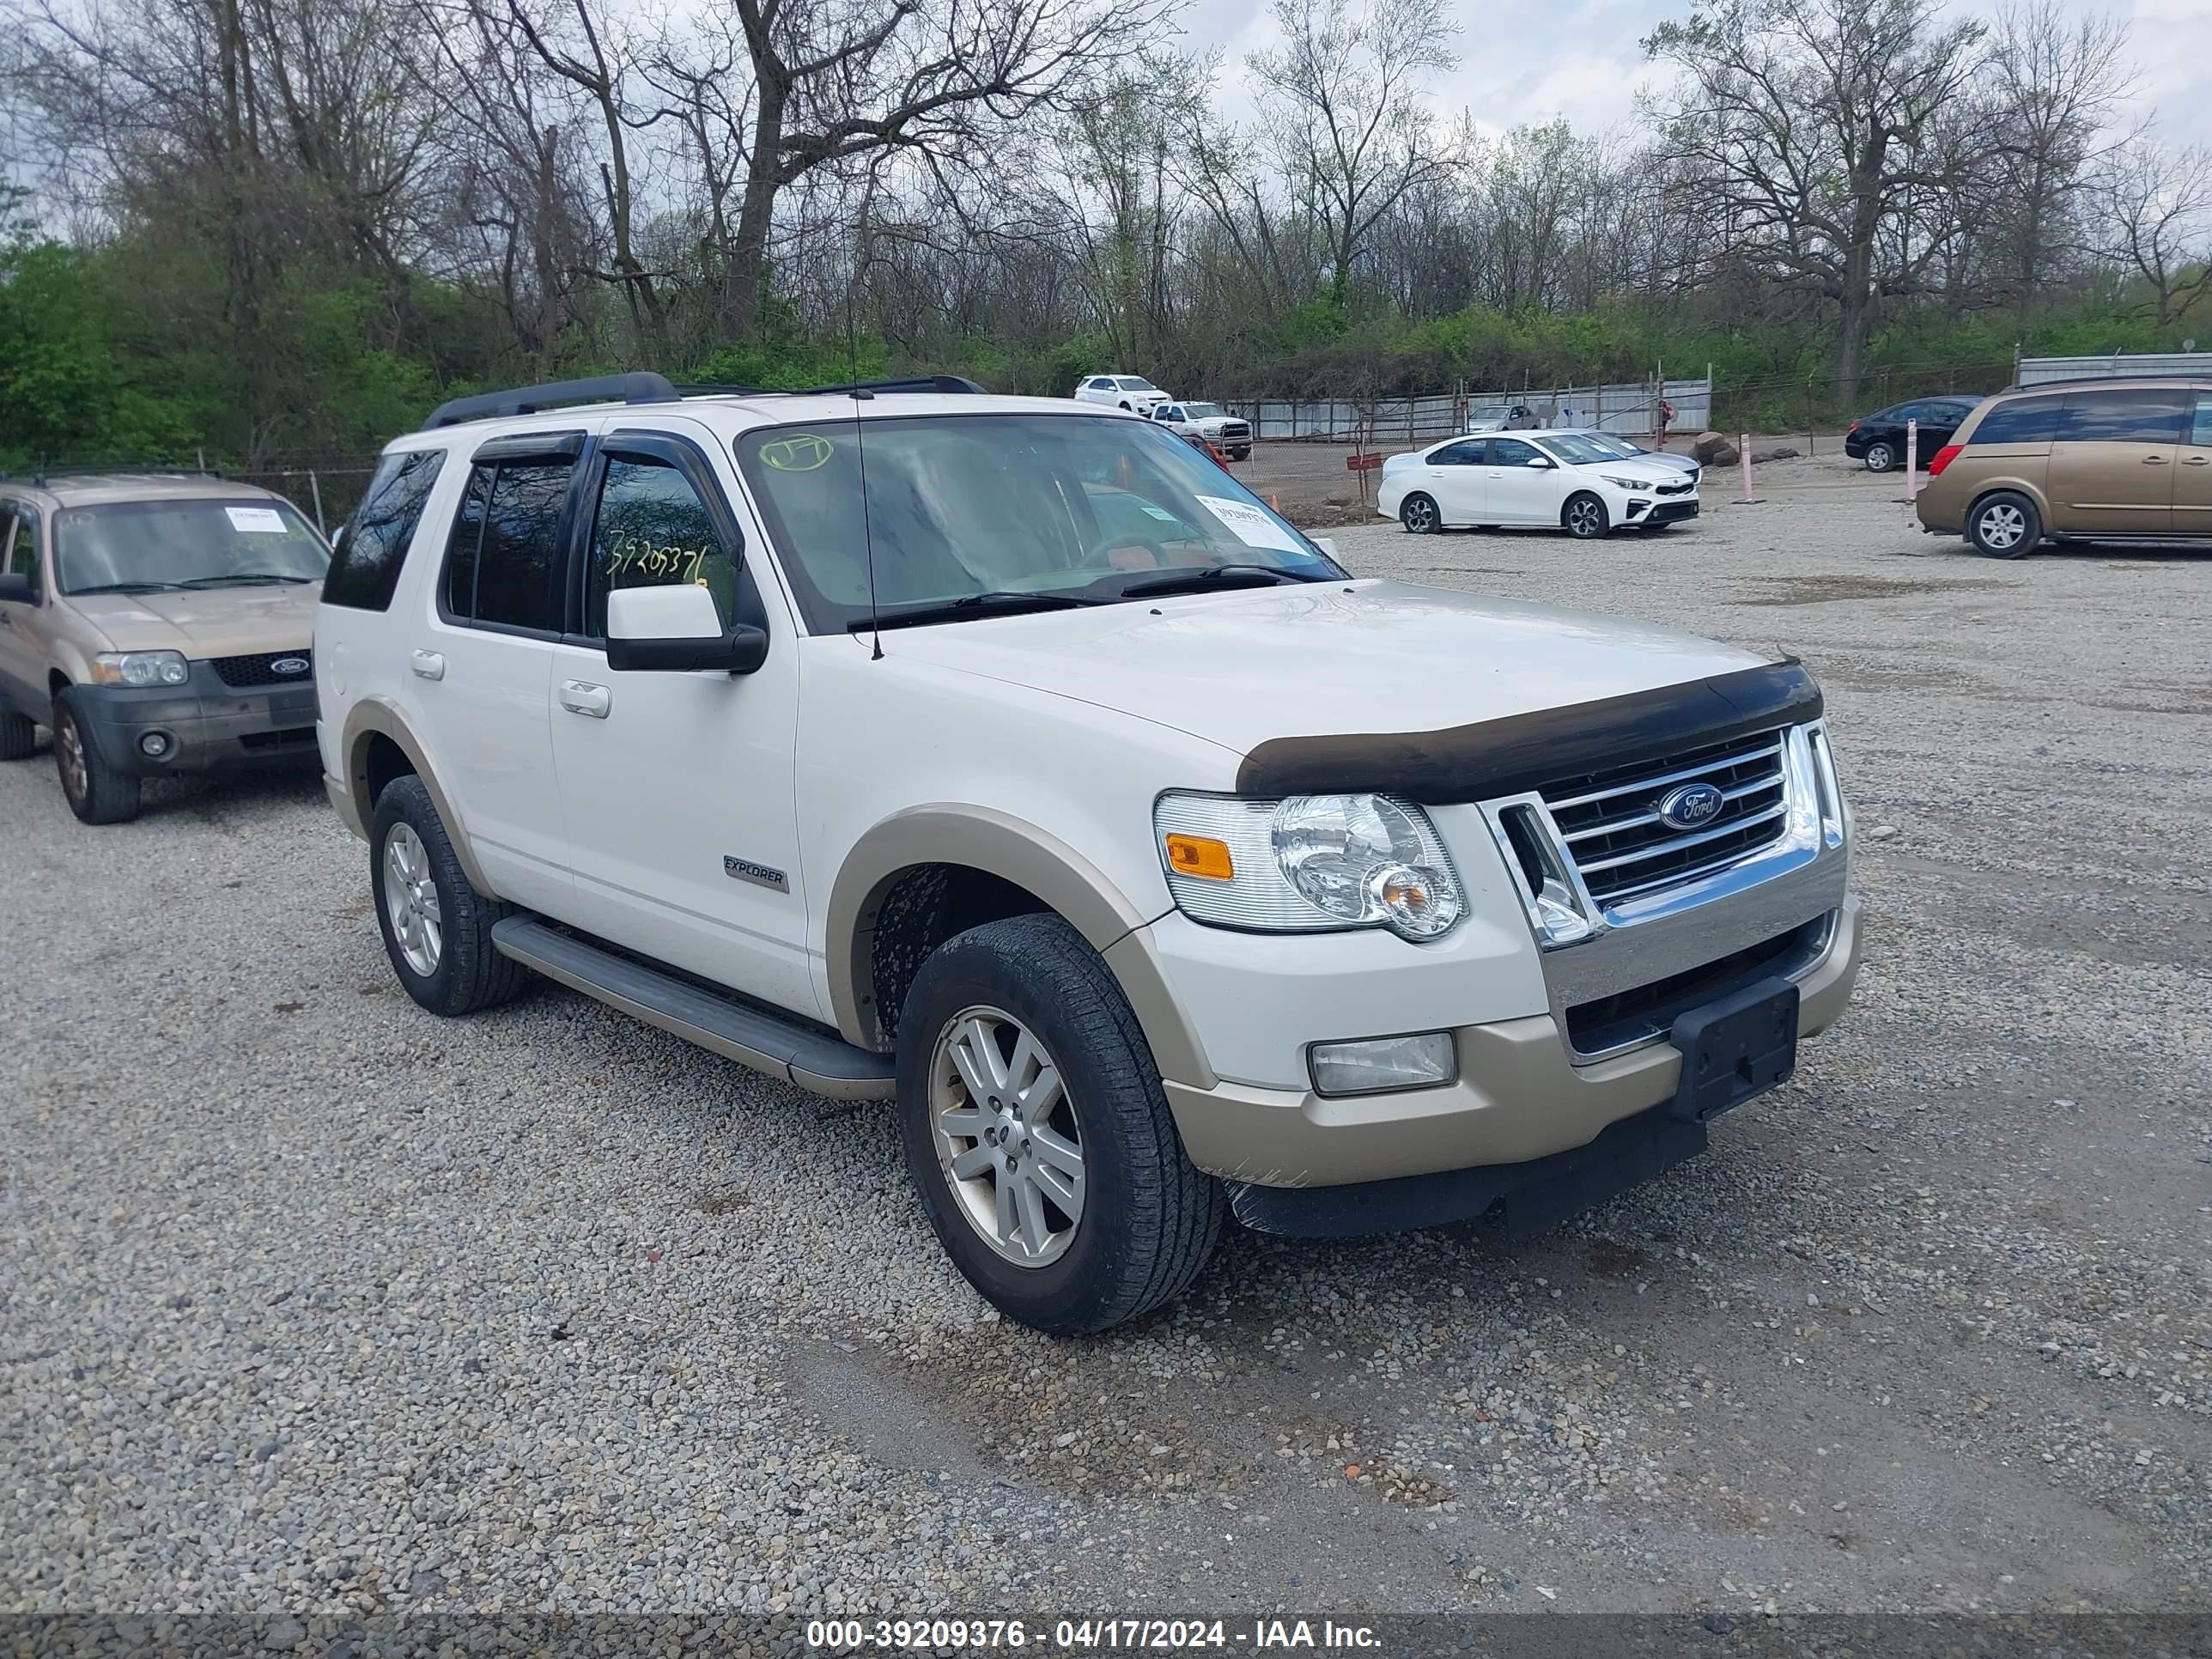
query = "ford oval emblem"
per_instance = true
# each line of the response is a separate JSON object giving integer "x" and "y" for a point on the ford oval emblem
{"x": 1693, "y": 806}
{"x": 289, "y": 666}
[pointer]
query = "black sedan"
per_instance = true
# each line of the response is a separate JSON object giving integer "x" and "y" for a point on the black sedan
{"x": 1879, "y": 440}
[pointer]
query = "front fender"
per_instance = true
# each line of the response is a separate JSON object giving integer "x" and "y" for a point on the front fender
{"x": 986, "y": 839}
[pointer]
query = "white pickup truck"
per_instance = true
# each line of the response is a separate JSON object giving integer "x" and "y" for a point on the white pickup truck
{"x": 1229, "y": 434}
{"x": 1005, "y": 760}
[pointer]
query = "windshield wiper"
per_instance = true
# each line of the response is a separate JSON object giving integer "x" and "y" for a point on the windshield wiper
{"x": 243, "y": 578}
{"x": 992, "y": 603}
{"x": 1193, "y": 582}
{"x": 128, "y": 587}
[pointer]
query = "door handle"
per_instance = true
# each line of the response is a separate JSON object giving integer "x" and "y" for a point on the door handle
{"x": 429, "y": 665}
{"x": 2153, "y": 460}
{"x": 2198, "y": 460}
{"x": 583, "y": 697}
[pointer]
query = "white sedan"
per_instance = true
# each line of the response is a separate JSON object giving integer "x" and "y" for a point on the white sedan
{"x": 1562, "y": 478}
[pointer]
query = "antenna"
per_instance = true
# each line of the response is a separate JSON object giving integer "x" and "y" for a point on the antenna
{"x": 860, "y": 450}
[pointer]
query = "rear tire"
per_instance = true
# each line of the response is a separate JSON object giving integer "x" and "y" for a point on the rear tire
{"x": 1585, "y": 517}
{"x": 2004, "y": 525}
{"x": 436, "y": 927}
{"x": 1420, "y": 515}
{"x": 95, "y": 791}
{"x": 1881, "y": 457}
{"x": 19, "y": 735}
{"x": 1145, "y": 1220}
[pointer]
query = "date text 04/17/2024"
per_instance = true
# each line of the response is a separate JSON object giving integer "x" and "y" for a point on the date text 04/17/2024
{"x": 850, "y": 1635}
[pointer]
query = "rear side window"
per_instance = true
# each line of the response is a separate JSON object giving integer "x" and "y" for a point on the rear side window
{"x": 1466, "y": 453}
{"x": 2124, "y": 417}
{"x": 503, "y": 562}
{"x": 2200, "y": 433}
{"x": 373, "y": 549}
{"x": 2022, "y": 421}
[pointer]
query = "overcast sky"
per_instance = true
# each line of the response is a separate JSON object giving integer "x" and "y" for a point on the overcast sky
{"x": 1578, "y": 59}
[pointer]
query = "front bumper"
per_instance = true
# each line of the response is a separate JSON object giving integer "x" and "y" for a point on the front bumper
{"x": 210, "y": 726}
{"x": 1520, "y": 1096}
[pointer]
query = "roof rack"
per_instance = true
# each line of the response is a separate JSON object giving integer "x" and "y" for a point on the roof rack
{"x": 957, "y": 383}
{"x": 38, "y": 475}
{"x": 640, "y": 386}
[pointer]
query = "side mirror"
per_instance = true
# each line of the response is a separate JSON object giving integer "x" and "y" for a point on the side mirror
{"x": 15, "y": 588}
{"x": 1327, "y": 544}
{"x": 1539, "y": 462}
{"x": 677, "y": 630}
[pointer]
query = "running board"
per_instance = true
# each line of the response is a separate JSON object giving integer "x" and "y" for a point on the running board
{"x": 783, "y": 1048}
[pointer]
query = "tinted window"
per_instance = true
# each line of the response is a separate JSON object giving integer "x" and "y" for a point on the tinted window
{"x": 2200, "y": 433}
{"x": 2124, "y": 417}
{"x": 519, "y": 562}
{"x": 1466, "y": 453}
{"x": 1511, "y": 451}
{"x": 653, "y": 530}
{"x": 19, "y": 543}
{"x": 461, "y": 546}
{"x": 372, "y": 548}
{"x": 2021, "y": 420}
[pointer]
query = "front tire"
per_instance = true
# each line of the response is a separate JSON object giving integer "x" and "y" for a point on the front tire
{"x": 1585, "y": 517}
{"x": 1881, "y": 457}
{"x": 96, "y": 791}
{"x": 1038, "y": 1135}
{"x": 436, "y": 927}
{"x": 1420, "y": 515}
{"x": 19, "y": 735}
{"x": 2005, "y": 526}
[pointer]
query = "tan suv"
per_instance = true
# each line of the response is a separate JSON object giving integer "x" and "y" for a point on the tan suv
{"x": 2118, "y": 459}
{"x": 155, "y": 624}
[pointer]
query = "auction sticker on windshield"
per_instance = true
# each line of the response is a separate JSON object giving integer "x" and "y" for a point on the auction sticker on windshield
{"x": 1253, "y": 527}
{"x": 256, "y": 520}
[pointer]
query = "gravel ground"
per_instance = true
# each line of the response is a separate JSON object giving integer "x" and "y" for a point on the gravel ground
{"x": 309, "y": 1301}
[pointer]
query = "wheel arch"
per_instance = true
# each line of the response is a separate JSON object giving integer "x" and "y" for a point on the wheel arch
{"x": 377, "y": 746}
{"x": 995, "y": 857}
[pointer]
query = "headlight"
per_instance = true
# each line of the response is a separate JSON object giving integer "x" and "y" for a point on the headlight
{"x": 1628, "y": 483}
{"x": 140, "y": 668}
{"x": 1308, "y": 863}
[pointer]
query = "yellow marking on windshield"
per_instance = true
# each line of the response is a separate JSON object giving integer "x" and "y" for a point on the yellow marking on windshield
{"x": 804, "y": 454}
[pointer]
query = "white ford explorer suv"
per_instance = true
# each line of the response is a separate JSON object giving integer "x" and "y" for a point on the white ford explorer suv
{"x": 1006, "y": 759}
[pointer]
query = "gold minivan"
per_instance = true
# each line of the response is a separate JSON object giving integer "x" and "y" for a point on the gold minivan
{"x": 2115, "y": 460}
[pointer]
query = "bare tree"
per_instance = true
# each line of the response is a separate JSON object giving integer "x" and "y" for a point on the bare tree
{"x": 1810, "y": 126}
{"x": 2054, "y": 84}
{"x": 1343, "y": 102}
{"x": 854, "y": 80}
{"x": 2157, "y": 206}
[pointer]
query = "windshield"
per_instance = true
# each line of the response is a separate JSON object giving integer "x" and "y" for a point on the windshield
{"x": 1497, "y": 414}
{"x": 1580, "y": 448}
{"x": 1074, "y": 505}
{"x": 1137, "y": 383}
{"x": 1202, "y": 411}
{"x": 1614, "y": 446}
{"x": 144, "y": 546}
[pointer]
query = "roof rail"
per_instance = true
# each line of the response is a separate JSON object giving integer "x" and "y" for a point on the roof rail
{"x": 640, "y": 386}
{"x": 958, "y": 383}
{"x": 38, "y": 475}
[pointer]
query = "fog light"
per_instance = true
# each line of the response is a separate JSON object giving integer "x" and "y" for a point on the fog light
{"x": 156, "y": 745}
{"x": 1378, "y": 1065}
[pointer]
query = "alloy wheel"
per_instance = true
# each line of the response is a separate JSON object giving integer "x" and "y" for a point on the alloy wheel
{"x": 1008, "y": 1143}
{"x": 69, "y": 756}
{"x": 1879, "y": 459}
{"x": 2002, "y": 526}
{"x": 1585, "y": 517}
{"x": 1419, "y": 515}
{"x": 411, "y": 899}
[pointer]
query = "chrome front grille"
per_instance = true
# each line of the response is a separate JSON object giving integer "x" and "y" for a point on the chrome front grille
{"x": 1610, "y": 825}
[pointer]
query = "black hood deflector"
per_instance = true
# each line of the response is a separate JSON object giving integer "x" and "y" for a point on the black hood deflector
{"x": 1489, "y": 758}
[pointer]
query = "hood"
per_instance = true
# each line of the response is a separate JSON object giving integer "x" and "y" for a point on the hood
{"x": 1241, "y": 667}
{"x": 1636, "y": 466}
{"x": 214, "y": 622}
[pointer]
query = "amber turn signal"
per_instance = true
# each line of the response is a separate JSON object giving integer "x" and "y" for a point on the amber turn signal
{"x": 1199, "y": 855}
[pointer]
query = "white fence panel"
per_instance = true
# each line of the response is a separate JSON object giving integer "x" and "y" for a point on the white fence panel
{"x": 2035, "y": 371}
{"x": 1629, "y": 407}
